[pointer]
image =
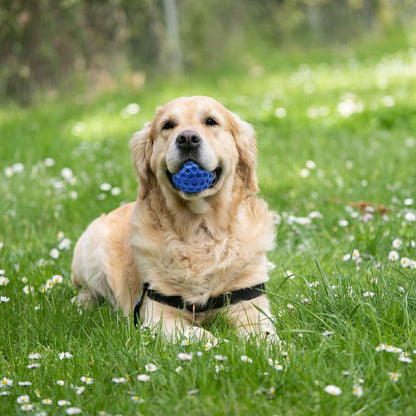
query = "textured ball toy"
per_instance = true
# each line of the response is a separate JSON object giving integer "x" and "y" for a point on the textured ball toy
{"x": 192, "y": 179}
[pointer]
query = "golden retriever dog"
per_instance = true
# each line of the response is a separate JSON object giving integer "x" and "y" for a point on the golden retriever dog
{"x": 177, "y": 258}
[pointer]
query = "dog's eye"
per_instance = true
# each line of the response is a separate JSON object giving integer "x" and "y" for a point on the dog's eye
{"x": 168, "y": 125}
{"x": 211, "y": 122}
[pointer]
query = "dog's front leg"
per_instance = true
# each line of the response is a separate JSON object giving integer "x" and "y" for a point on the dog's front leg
{"x": 253, "y": 319}
{"x": 174, "y": 324}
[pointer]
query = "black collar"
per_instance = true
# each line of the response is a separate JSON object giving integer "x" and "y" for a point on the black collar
{"x": 228, "y": 298}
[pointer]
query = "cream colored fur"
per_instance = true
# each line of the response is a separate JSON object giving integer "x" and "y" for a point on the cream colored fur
{"x": 197, "y": 246}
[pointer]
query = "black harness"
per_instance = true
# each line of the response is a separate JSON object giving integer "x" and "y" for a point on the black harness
{"x": 228, "y": 298}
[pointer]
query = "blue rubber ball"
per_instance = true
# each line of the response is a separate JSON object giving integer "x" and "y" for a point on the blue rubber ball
{"x": 192, "y": 179}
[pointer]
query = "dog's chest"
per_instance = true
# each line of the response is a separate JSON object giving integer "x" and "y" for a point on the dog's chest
{"x": 195, "y": 268}
{"x": 201, "y": 257}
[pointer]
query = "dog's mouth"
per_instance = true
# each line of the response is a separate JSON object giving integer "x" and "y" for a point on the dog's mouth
{"x": 192, "y": 179}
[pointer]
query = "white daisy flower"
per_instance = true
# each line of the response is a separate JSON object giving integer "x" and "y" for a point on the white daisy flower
{"x": 143, "y": 377}
{"x": 4, "y": 281}
{"x": 394, "y": 376}
{"x": 246, "y": 359}
{"x": 388, "y": 101}
{"x": 54, "y": 253}
{"x": 189, "y": 332}
{"x": 310, "y": 164}
{"x": 24, "y": 383}
{"x": 405, "y": 359}
{"x": 280, "y": 112}
{"x": 27, "y": 407}
{"x": 4, "y": 299}
{"x": 410, "y": 216}
{"x": 116, "y": 191}
{"x": 178, "y": 369}
{"x": 315, "y": 214}
{"x": 63, "y": 403}
{"x": 395, "y": 350}
{"x": 105, "y": 187}
{"x": 35, "y": 365}
{"x": 47, "y": 401}
{"x": 343, "y": 223}
{"x": 73, "y": 411}
{"x": 18, "y": 167}
{"x": 368, "y": 294}
{"x": 49, "y": 162}
{"x": 34, "y": 356}
{"x": 67, "y": 174}
{"x": 137, "y": 399}
{"x": 290, "y": 274}
{"x": 185, "y": 357}
{"x": 408, "y": 201}
{"x": 78, "y": 128}
{"x": 131, "y": 109}
{"x": 150, "y": 367}
{"x": 118, "y": 380}
{"x": 65, "y": 244}
{"x": 60, "y": 382}
{"x": 8, "y": 171}
{"x": 275, "y": 364}
{"x": 397, "y": 243}
{"x": 49, "y": 284}
{"x": 23, "y": 399}
{"x": 87, "y": 380}
{"x": 57, "y": 278}
{"x": 207, "y": 346}
{"x": 357, "y": 390}
{"x": 63, "y": 355}
{"x": 220, "y": 357}
{"x": 6, "y": 382}
{"x": 333, "y": 390}
{"x": 393, "y": 255}
{"x": 28, "y": 289}
{"x": 405, "y": 262}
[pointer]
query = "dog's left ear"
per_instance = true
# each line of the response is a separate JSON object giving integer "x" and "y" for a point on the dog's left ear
{"x": 141, "y": 146}
{"x": 247, "y": 151}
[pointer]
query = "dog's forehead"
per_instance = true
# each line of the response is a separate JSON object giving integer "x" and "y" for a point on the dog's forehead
{"x": 191, "y": 108}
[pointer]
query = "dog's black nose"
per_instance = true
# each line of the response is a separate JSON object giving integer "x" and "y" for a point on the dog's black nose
{"x": 188, "y": 140}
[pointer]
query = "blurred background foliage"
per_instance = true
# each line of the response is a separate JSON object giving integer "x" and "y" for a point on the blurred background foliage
{"x": 59, "y": 45}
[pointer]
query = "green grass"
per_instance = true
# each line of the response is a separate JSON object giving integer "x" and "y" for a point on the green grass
{"x": 367, "y": 156}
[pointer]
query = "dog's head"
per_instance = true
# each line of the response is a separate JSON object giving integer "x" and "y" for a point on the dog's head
{"x": 201, "y": 130}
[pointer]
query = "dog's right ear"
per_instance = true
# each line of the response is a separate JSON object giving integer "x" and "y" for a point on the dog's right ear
{"x": 141, "y": 146}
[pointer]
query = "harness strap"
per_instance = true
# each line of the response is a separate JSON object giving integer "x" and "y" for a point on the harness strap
{"x": 139, "y": 303}
{"x": 228, "y": 298}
